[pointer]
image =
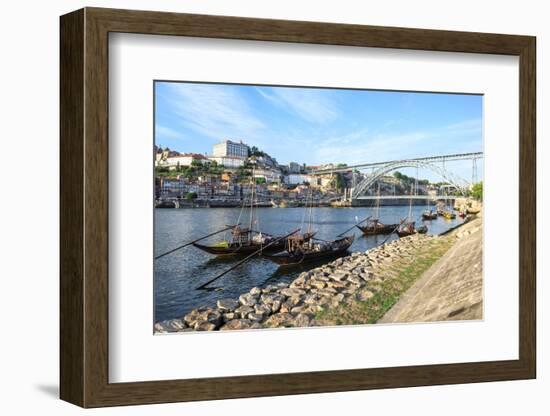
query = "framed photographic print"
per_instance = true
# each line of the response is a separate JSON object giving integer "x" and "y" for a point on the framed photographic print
{"x": 255, "y": 207}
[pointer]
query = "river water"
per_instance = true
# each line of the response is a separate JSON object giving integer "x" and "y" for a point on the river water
{"x": 178, "y": 274}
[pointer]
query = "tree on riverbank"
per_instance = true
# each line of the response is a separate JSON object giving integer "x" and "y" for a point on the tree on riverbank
{"x": 477, "y": 191}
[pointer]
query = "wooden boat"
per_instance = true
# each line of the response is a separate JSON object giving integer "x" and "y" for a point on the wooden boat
{"x": 245, "y": 241}
{"x": 423, "y": 229}
{"x": 299, "y": 251}
{"x": 448, "y": 215}
{"x": 374, "y": 227}
{"x": 165, "y": 203}
{"x": 405, "y": 229}
{"x": 429, "y": 215}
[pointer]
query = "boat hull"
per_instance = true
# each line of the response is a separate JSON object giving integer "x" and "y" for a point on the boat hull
{"x": 428, "y": 217}
{"x": 382, "y": 229}
{"x": 240, "y": 250}
{"x": 287, "y": 259}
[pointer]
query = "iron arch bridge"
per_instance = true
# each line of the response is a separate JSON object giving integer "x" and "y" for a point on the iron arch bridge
{"x": 434, "y": 163}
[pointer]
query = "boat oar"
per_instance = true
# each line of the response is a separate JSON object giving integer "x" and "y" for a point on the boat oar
{"x": 191, "y": 242}
{"x": 349, "y": 229}
{"x": 203, "y": 286}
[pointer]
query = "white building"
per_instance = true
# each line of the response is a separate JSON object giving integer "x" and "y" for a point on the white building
{"x": 230, "y": 148}
{"x": 296, "y": 179}
{"x": 294, "y": 167}
{"x": 270, "y": 175}
{"x": 185, "y": 159}
{"x": 230, "y": 162}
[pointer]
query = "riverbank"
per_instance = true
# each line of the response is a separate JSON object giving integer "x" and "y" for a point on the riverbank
{"x": 357, "y": 289}
{"x": 452, "y": 289}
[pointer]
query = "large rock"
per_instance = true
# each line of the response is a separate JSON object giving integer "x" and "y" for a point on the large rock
{"x": 310, "y": 298}
{"x": 160, "y": 328}
{"x": 204, "y": 326}
{"x": 227, "y": 305}
{"x": 297, "y": 309}
{"x": 292, "y": 292}
{"x": 203, "y": 314}
{"x": 302, "y": 320}
{"x": 244, "y": 310}
{"x": 279, "y": 320}
{"x": 212, "y": 316}
{"x": 356, "y": 280}
{"x": 339, "y": 275}
{"x": 248, "y": 299}
{"x": 256, "y": 317}
{"x": 236, "y": 324}
{"x": 269, "y": 298}
{"x": 171, "y": 325}
{"x": 255, "y": 291}
{"x": 275, "y": 306}
{"x": 262, "y": 308}
{"x": 229, "y": 316}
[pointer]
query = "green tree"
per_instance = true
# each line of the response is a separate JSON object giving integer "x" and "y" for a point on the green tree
{"x": 338, "y": 181}
{"x": 189, "y": 172}
{"x": 477, "y": 191}
{"x": 191, "y": 195}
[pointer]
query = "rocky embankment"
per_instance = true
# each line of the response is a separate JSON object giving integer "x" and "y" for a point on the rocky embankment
{"x": 359, "y": 288}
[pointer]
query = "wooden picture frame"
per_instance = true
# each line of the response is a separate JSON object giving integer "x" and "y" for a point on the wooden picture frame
{"x": 84, "y": 207}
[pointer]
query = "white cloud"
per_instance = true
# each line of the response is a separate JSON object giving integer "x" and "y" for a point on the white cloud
{"x": 163, "y": 132}
{"x": 312, "y": 105}
{"x": 361, "y": 147}
{"x": 214, "y": 111}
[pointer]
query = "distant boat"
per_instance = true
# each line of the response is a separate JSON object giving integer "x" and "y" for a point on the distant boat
{"x": 429, "y": 215}
{"x": 448, "y": 215}
{"x": 299, "y": 251}
{"x": 423, "y": 229}
{"x": 166, "y": 204}
{"x": 406, "y": 227}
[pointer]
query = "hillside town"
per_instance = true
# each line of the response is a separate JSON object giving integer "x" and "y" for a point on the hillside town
{"x": 224, "y": 178}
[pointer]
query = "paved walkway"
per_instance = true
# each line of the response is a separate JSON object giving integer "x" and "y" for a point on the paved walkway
{"x": 452, "y": 289}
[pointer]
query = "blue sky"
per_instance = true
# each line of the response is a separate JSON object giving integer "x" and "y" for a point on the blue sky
{"x": 318, "y": 125}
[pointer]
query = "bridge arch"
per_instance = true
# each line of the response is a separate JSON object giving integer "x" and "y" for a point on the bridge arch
{"x": 460, "y": 184}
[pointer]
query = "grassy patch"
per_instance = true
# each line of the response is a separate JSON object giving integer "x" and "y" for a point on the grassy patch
{"x": 405, "y": 271}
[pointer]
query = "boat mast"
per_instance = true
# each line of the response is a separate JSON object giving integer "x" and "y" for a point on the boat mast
{"x": 310, "y": 209}
{"x": 378, "y": 203}
{"x": 410, "y": 206}
{"x": 253, "y": 185}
